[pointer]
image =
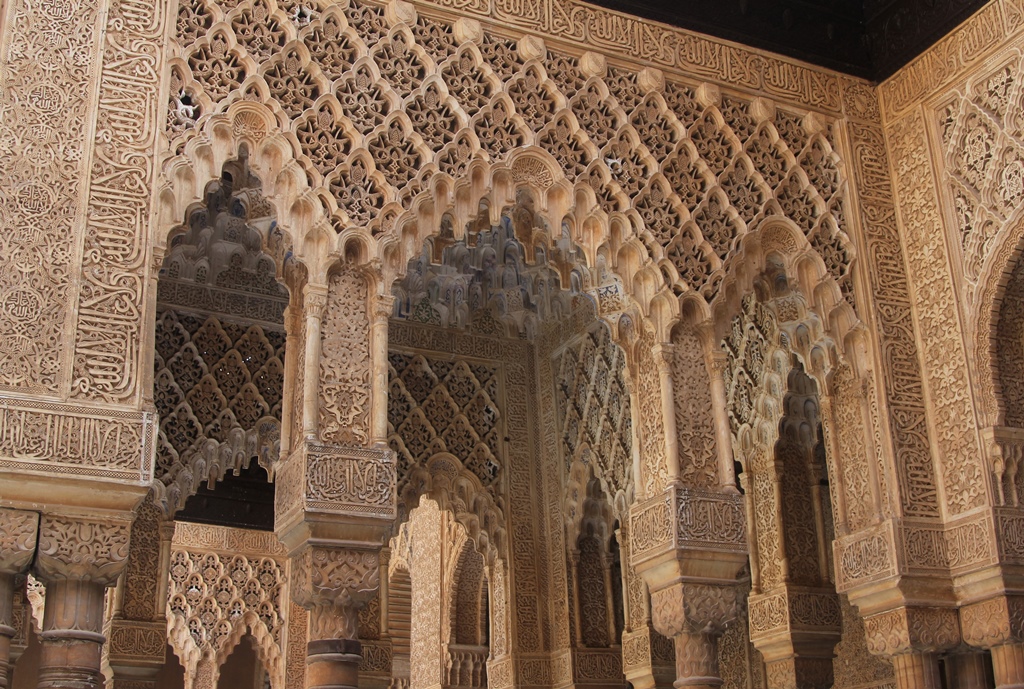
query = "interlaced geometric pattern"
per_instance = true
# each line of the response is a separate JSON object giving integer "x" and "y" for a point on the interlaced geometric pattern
{"x": 700, "y": 170}
{"x": 983, "y": 137}
{"x": 593, "y": 401}
{"x": 215, "y": 382}
{"x": 437, "y": 405}
{"x": 210, "y": 593}
{"x": 218, "y": 371}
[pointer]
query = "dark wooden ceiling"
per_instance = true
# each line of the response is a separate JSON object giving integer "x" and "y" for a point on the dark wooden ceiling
{"x": 865, "y": 38}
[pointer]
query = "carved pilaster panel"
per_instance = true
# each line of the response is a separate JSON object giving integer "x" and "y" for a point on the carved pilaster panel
{"x": 336, "y": 480}
{"x": 789, "y": 610}
{"x": 77, "y": 441}
{"x": 952, "y": 414}
{"x": 865, "y": 557}
{"x": 110, "y": 300}
{"x": 45, "y": 148}
{"x": 134, "y": 642}
{"x": 689, "y": 520}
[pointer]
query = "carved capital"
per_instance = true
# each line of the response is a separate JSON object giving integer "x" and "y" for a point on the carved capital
{"x": 906, "y": 630}
{"x": 383, "y": 307}
{"x": 314, "y": 301}
{"x": 651, "y": 80}
{"x": 993, "y": 622}
{"x": 762, "y": 109}
{"x": 709, "y": 95}
{"x": 334, "y": 584}
{"x": 400, "y": 12}
{"x": 137, "y": 643}
{"x": 702, "y": 532}
{"x": 685, "y": 608}
{"x": 19, "y": 531}
{"x": 352, "y": 482}
{"x": 82, "y": 548}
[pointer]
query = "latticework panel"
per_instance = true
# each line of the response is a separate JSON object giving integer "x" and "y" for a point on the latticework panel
{"x": 452, "y": 406}
{"x": 379, "y": 104}
{"x": 593, "y": 402}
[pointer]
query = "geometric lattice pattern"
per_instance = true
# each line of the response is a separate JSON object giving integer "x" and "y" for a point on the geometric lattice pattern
{"x": 216, "y": 382}
{"x": 377, "y": 111}
{"x": 438, "y": 405}
{"x": 594, "y": 403}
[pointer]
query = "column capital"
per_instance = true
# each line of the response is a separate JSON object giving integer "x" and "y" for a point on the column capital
{"x": 688, "y": 608}
{"x": 334, "y": 583}
{"x": 85, "y": 548}
{"x": 314, "y": 300}
{"x": 993, "y": 622}
{"x": 19, "y": 531}
{"x": 912, "y": 630}
{"x": 383, "y": 307}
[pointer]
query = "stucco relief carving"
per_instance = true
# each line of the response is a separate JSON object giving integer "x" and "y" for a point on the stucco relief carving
{"x": 334, "y": 583}
{"x": 19, "y": 531}
{"x": 744, "y": 158}
{"x": 927, "y": 630}
{"x": 344, "y": 409}
{"x": 110, "y": 299}
{"x": 225, "y": 583}
{"x": 37, "y": 219}
{"x": 72, "y": 547}
{"x": 941, "y": 333}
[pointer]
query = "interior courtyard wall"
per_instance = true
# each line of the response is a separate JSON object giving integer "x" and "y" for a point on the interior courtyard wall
{"x": 954, "y": 148}
{"x": 102, "y": 362}
{"x": 467, "y": 374}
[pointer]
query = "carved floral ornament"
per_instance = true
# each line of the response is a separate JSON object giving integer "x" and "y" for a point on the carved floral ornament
{"x": 663, "y": 175}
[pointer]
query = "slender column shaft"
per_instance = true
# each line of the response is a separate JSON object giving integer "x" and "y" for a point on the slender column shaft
{"x": 316, "y": 302}
{"x": 379, "y": 364}
{"x": 723, "y": 437}
{"x": 697, "y": 662}
{"x": 609, "y": 599}
{"x": 1008, "y": 666}
{"x": 6, "y": 627}
{"x": 72, "y": 636}
{"x": 333, "y": 664}
{"x": 574, "y": 580}
{"x": 663, "y": 357}
{"x": 968, "y": 671}
{"x": 916, "y": 671}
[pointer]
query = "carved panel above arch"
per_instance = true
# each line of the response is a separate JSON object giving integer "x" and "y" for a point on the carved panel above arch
{"x": 700, "y": 169}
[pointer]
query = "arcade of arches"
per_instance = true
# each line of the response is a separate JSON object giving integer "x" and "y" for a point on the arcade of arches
{"x": 510, "y": 344}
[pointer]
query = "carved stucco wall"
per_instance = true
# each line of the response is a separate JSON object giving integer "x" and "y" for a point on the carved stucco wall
{"x": 482, "y": 396}
{"x": 955, "y": 153}
{"x": 225, "y": 583}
